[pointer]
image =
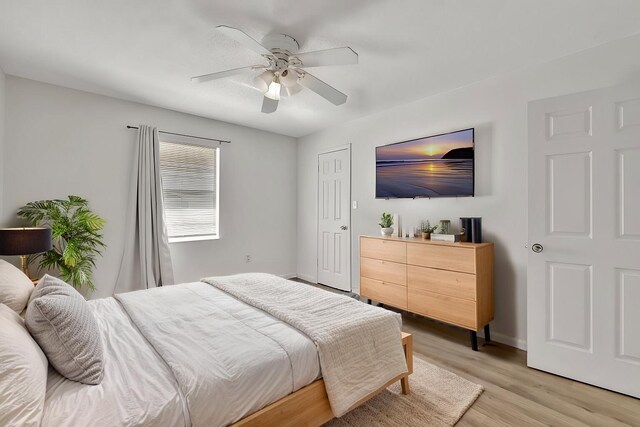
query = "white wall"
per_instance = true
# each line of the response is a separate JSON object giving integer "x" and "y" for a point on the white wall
{"x": 2, "y": 131}
{"x": 62, "y": 141}
{"x": 497, "y": 108}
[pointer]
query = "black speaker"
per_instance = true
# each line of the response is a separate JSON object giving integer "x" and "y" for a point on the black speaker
{"x": 476, "y": 230}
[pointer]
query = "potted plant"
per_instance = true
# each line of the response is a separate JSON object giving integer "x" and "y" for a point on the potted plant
{"x": 427, "y": 229}
{"x": 76, "y": 235}
{"x": 386, "y": 223}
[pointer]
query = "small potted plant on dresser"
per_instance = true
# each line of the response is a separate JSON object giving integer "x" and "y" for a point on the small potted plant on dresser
{"x": 386, "y": 223}
{"x": 427, "y": 229}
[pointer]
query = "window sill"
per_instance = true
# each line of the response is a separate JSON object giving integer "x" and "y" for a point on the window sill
{"x": 192, "y": 238}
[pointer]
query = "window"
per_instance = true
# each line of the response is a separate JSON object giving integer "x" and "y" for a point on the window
{"x": 189, "y": 175}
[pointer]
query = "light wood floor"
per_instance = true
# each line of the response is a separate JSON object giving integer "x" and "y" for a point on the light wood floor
{"x": 514, "y": 394}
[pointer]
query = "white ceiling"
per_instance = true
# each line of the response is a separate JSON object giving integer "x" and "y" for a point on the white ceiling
{"x": 147, "y": 50}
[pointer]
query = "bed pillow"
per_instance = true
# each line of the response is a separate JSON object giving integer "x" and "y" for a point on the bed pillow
{"x": 23, "y": 373}
{"x": 15, "y": 287}
{"x": 63, "y": 324}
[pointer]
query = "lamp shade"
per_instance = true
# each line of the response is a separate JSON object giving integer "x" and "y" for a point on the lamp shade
{"x": 288, "y": 78}
{"x": 274, "y": 91}
{"x": 24, "y": 241}
{"x": 263, "y": 81}
{"x": 290, "y": 90}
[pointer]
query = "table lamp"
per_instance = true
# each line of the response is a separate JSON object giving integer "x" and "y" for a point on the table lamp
{"x": 24, "y": 241}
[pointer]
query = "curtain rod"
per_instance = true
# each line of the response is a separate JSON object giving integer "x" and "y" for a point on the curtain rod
{"x": 188, "y": 136}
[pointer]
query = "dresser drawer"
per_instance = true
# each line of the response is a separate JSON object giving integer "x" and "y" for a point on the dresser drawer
{"x": 461, "y": 312}
{"x": 442, "y": 257}
{"x": 443, "y": 282}
{"x": 385, "y": 271}
{"x": 384, "y": 292}
{"x": 387, "y": 250}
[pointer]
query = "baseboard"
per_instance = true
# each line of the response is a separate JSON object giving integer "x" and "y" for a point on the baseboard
{"x": 505, "y": 339}
{"x": 306, "y": 277}
{"x": 289, "y": 276}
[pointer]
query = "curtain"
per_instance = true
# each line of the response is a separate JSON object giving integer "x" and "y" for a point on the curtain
{"x": 146, "y": 261}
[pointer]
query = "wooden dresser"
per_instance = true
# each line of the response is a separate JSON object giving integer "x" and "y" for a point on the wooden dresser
{"x": 450, "y": 282}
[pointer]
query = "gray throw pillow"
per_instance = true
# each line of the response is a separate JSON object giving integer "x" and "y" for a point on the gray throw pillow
{"x": 62, "y": 323}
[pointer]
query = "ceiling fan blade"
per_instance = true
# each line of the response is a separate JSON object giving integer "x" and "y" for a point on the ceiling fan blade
{"x": 242, "y": 38}
{"x": 221, "y": 74}
{"x": 337, "y": 56}
{"x": 269, "y": 105}
{"x": 329, "y": 93}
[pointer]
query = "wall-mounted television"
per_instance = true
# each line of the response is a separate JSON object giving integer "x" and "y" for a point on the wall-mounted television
{"x": 434, "y": 166}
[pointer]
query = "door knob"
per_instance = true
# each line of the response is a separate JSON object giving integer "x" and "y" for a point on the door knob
{"x": 537, "y": 248}
{"x": 343, "y": 227}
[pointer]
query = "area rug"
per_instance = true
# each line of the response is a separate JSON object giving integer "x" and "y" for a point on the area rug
{"x": 438, "y": 398}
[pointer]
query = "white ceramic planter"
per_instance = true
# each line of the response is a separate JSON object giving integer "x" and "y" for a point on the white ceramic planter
{"x": 386, "y": 231}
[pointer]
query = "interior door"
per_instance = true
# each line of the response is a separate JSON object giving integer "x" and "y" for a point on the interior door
{"x": 334, "y": 218}
{"x": 583, "y": 291}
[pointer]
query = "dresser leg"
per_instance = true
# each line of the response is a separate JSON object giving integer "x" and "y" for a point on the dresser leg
{"x": 487, "y": 334}
{"x": 369, "y": 301}
{"x": 474, "y": 340}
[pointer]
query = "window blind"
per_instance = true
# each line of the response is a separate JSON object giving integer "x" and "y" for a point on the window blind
{"x": 189, "y": 178}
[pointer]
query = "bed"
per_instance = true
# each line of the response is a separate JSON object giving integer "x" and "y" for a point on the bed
{"x": 213, "y": 354}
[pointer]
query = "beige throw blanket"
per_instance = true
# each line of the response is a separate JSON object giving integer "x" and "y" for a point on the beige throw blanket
{"x": 358, "y": 344}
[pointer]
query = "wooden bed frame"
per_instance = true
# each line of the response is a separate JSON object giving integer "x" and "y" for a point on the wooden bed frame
{"x": 310, "y": 407}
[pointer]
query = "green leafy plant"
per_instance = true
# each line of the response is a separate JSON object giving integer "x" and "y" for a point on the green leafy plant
{"x": 426, "y": 227}
{"x": 386, "y": 220}
{"x": 76, "y": 235}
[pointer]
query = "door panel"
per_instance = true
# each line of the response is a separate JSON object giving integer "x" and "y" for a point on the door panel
{"x": 628, "y": 113}
{"x": 334, "y": 242}
{"x": 569, "y": 305}
{"x": 583, "y": 282}
{"x": 569, "y": 123}
{"x": 628, "y": 327}
{"x": 337, "y": 253}
{"x": 569, "y": 204}
{"x": 628, "y": 205}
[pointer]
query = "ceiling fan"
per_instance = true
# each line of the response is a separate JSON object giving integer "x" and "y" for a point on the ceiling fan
{"x": 285, "y": 74}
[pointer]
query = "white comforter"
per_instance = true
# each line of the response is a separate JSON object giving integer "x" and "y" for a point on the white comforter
{"x": 137, "y": 386}
{"x": 213, "y": 360}
{"x": 359, "y": 345}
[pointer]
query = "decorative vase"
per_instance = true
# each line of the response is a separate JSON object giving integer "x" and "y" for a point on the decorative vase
{"x": 388, "y": 231}
{"x": 426, "y": 236}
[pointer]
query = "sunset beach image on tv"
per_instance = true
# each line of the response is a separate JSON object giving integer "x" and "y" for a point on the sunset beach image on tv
{"x": 434, "y": 166}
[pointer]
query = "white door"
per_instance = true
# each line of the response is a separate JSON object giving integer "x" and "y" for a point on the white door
{"x": 334, "y": 218}
{"x": 583, "y": 291}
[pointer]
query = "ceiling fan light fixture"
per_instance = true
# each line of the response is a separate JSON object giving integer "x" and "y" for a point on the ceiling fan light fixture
{"x": 289, "y": 78}
{"x": 285, "y": 73}
{"x": 291, "y": 90}
{"x": 263, "y": 81}
{"x": 274, "y": 89}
